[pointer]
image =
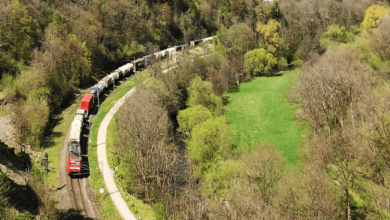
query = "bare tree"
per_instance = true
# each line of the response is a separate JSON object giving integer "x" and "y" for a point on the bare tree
{"x": 144, "y": 139}
{"x": 331, "y": 86}
{"x": 151, "y": 61}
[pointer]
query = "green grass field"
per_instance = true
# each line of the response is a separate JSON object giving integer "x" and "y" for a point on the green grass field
{"x": 261, "y": 111}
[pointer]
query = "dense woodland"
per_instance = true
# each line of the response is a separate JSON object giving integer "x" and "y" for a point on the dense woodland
{"x": 174, "y": 144}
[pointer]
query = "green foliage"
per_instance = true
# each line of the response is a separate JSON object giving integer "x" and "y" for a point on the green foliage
{"x": 297, "y": 61}
{"x": 86, "y": 53}
{"x": 209, "y": 144}
{"x": 373, "y": 13}
{"x": 31, "y": 117}
{"x": 258, "y": 62}
{"x": 335, "y": 34}
{"x": 201, "y": 93}
{"x": 192, "y": 116}
{"x": 5, "y": 208}
{"x": 282, "y": 63}
{"x": 160, "y": 211}
{"x": 362, "y": 46}
{"x": 20, "y": 32}
{"x": 122, "y": 47}
{"x": 216, "y": 177}
{"x": 270, "y": 33}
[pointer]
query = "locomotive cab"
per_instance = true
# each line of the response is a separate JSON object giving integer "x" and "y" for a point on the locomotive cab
{"x": 74, "y": 158}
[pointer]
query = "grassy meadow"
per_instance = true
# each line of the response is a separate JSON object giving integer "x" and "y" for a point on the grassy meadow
{"x": 259, "y": 110}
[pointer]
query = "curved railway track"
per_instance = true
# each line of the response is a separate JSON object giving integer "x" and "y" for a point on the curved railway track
{"x": 78, "y": 196}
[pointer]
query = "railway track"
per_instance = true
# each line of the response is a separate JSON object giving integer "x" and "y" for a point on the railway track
{"x": 78, "y": 198}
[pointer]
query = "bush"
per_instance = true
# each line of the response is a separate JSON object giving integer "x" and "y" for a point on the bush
{"x": 258, "y": 62}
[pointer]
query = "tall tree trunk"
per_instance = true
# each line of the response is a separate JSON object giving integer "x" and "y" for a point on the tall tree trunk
{"x": 348, "y": 204}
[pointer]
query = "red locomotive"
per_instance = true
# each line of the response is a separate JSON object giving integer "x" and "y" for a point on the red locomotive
{"x": 74, "y": 148}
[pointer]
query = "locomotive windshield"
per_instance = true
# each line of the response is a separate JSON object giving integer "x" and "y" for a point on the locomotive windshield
{"x": 74, "y": 150}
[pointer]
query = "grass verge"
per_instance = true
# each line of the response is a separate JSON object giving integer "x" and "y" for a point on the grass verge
{"x": 260, "y": 111}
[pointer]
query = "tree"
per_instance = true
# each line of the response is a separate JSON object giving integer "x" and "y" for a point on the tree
{"x": 270, "y": 34}
{"x": 373, "y": 13}
{"x": 186, "y": 26}
{"x": 209, "y": 144}
{"x": 282, "y": 63}
{"x": 258, "y": 61}
{"x": 192, "y": 116}
{"x": 264, "y": 166}
{"x": 19, "y": 31}
{"x": 149, "y": 158}
{"x": 167, "y": 13}
{"x": 334, "y": 34}
{"x": 380, "y": 43}
{"x": 201, "y": 93}
{"x": 331, "y": 86}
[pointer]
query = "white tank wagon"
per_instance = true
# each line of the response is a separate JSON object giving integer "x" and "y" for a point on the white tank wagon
{"x": 114, "y": 75}
{"x": 125, "y": 69}
{"x": 170, "y": 51}
{"x": 75, "y": 130}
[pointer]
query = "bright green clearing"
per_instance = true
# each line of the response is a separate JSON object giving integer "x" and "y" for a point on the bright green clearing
{"x": 261, "y": 111}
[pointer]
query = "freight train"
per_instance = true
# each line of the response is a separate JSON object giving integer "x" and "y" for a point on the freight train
{"x": 74, "y": 145}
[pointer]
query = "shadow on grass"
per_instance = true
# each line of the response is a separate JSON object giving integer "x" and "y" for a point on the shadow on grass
{"x": 71, "y": 214}
{"x": 226, "y": 98}
{"x": 54, "y": 135}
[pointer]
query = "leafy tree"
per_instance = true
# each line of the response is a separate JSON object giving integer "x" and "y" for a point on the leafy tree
{"x": 334, "y": 34}
{"x": 258, "y": 61}
{"x": 373, "y": 13}
{"x": 19, "y": 31}
{"x": 192, "y": 116}
{"x": 215, "y": 179}
{"x": 209, "y": 144}
{"x": 201, "y": 93}
{"x": 282, "y": 63}
{"x": 297, "y": 58}
{"x": 270, "y": 34}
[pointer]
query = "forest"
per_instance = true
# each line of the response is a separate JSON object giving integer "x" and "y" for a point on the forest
{"x": 174, "y": 147}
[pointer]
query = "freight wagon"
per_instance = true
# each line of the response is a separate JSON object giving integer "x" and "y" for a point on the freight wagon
{"x": 87, "y": 102}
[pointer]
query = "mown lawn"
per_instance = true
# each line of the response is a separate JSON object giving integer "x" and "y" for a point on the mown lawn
{"x": 260, "y": 110}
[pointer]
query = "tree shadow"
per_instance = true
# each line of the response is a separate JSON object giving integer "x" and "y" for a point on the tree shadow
{"x": 71, "y": 214}
{"x": 14, "y": 161}
{"x": 54, "y": 135}
{"x": 23, "y": 198}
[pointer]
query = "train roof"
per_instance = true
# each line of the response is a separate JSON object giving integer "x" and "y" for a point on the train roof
{"x": 105, "y": 79}
{"x": 74, "y": 150}
{"x": 138, "y": 60}
{"x": 87, "y": 97}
